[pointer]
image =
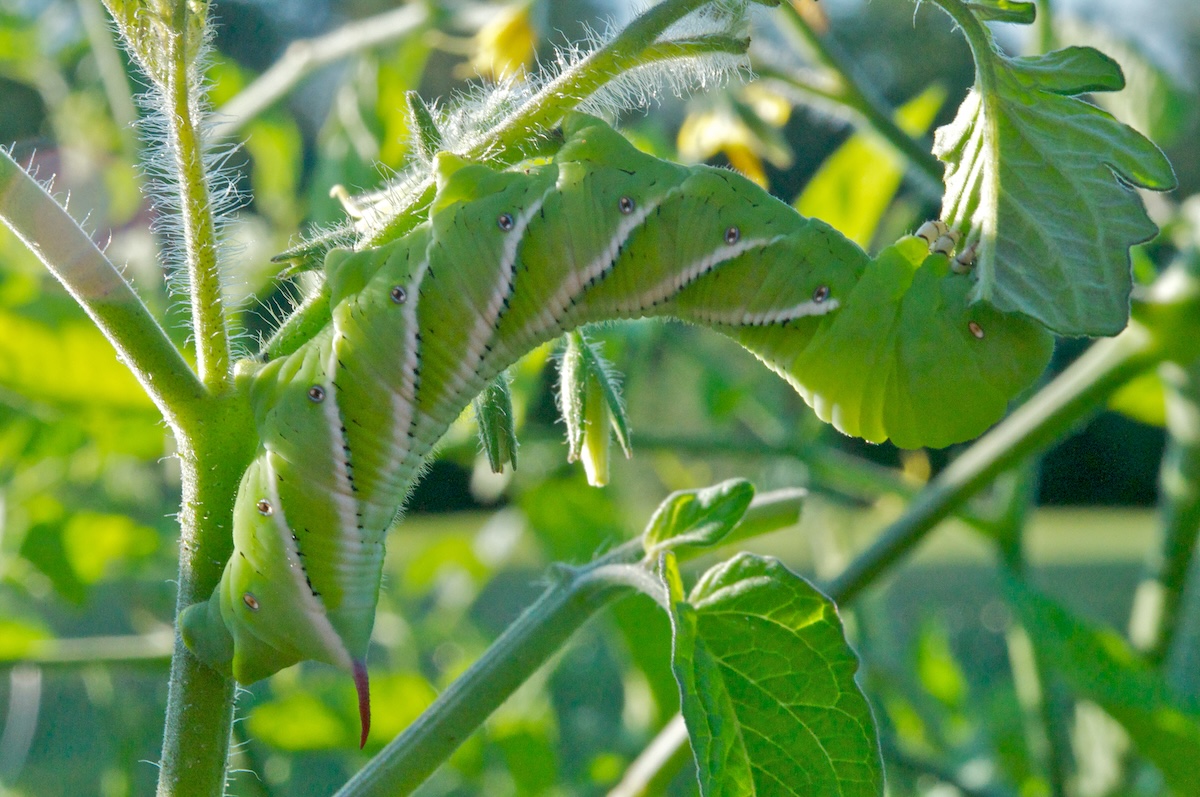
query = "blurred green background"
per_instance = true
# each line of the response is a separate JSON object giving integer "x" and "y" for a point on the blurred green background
{"x": 88, "y": 486}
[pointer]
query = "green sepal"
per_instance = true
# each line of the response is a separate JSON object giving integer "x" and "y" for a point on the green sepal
{"x": 310, "y": 255}
{"x": 590, "y": 401}
{"x": 426, "y": 137}
{"x": 497, "y": 427}
{"x": 697, "y": 518}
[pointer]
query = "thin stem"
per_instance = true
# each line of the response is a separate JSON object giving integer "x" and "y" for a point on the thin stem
{"x": 67, "y": 652}
{"x": 1044, "y": 27}
{"x": 580, "y": 82}
{"x": 209, "y": 322}
{"x": 852, "y": 93}
{"x": 304, "y": 56}
{"x": 1154, "y": 621}
{"x": 100, "y": 289}
{"x": 658, "y": 763}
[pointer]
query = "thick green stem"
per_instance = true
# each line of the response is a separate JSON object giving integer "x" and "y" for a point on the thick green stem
{"x": 199, "y": 700}
{"x": 524, "y": 646}
{"x": 1155, "y": 617}
{"x": 1163, "y": 328}
{"x": 509, "y": 140}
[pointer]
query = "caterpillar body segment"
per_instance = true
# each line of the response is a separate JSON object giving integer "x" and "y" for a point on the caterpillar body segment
{"x": 883, "y": 348}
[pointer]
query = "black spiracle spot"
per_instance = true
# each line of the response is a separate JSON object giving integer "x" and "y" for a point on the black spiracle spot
{"x": 264, "y": 507}
{"x": 505, "y": 222}
{"x": 733, "y": 235}
{"x": 821, "y": 294}
{"x": 250, "y": 601}
{"x": 316, "y": 394}
{"x": 626, "y": 205}
{"x": 398, "y": 294}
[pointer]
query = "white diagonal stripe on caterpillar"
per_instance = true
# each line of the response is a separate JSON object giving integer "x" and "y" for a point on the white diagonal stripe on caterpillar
{"x": 485, "y": 324}
{"x": 692, "y": 272}
{"x": 314, "y": 607}
{"x": 741, "y": 318}
{"x": 577, "y": 280}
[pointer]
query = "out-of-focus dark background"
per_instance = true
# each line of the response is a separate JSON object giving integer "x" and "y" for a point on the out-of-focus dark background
{"x": 88, "y": 487}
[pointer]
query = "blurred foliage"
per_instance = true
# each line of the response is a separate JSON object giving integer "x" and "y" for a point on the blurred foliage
{"x": 88, "y": 486}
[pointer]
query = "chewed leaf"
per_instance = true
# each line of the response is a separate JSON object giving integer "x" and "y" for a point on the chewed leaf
{"x": 767, "y": 685}
{"x": 1042, "y": 181}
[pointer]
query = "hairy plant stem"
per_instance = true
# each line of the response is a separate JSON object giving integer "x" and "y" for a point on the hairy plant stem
{"x": 199, "y": 700}
{"x": 209, "y": 323}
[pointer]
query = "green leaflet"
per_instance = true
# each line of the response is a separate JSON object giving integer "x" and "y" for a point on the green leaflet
{"x": 507, "y": 260}
{"x": 767, "y": 685}
{"x": 1040, "y": 181}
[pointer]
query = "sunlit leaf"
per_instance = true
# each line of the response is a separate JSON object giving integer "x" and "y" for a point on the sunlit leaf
{"x": 69, "y": 364}
{"x": 1142, "y": 399}
{"x": 298, "y": 721}
{"x": 697, "y": 517}
{"x": 1040, "y": 181}
{"x": 18, "y": 637}
{"x": 96, "y": 543}
{"x": 767, "y": 684}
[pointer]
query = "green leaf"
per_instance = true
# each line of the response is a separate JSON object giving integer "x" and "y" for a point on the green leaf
{"x": 1099, "y": 665}
{"x": 69, "y": 364}
{"x": 1156, "y": 101}
{"x": 697, "y": 518}
{"x": 18, "y": 638}
{"x": 767, "y": 684}
{"x": 1040, "y": 181}
{"x": 298, "y": 721}
{"x": 857, "y": 183}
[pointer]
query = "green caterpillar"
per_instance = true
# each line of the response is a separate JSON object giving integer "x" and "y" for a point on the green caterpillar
{"x": 883, "y": 348}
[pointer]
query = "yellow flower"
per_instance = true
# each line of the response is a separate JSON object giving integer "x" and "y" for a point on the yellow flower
{"x": 504, "y": 47}
{"x": 744, "y": 131}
